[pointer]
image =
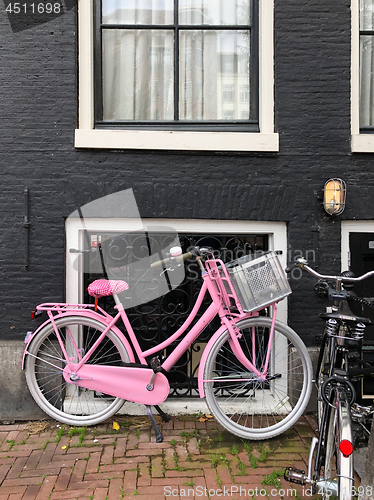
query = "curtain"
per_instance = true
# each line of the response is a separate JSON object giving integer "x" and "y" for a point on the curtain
{"x": 138, "y": 66}
{"x": 366, "y": 64}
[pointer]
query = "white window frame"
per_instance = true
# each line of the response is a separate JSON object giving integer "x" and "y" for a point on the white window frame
{"x": 277, "y": 232}
{"x": 86, "y": 136}
{"x": 360, "y": 143}
{"x": 347, "y": 227}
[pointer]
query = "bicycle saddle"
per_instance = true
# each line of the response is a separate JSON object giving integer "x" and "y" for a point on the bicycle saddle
{"x": 103, "y": 288}
{"x": 344, "y": 313}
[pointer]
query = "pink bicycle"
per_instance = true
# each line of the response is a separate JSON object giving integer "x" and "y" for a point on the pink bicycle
{"x": 255, "y": 372}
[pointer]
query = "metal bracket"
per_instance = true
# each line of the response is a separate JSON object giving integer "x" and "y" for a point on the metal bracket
{"x": 26, "y": 226}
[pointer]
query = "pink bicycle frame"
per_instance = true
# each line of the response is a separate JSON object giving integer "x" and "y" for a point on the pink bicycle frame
{"x": 220, "y": 298}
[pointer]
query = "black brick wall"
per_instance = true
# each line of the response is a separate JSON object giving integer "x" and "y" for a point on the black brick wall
{"x": 38, "y": 118}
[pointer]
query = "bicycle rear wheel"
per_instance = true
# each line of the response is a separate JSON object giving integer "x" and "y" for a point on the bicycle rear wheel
{"x": 325, "y": 363}
{"x": 242, "y": 403}
{"x": 45, "y": 361}
{"x": 336, "y": 472}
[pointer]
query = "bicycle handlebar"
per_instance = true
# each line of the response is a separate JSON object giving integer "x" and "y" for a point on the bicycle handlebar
{"x": 178, "y": 260}
{"x": 303, "y": 264}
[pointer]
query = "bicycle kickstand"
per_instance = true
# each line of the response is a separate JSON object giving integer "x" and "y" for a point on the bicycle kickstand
{"x": 159, "y": 437}
{"x": 165, "y": 417}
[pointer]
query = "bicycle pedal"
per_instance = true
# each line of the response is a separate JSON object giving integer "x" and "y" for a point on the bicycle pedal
{"x": 296, "y": 476}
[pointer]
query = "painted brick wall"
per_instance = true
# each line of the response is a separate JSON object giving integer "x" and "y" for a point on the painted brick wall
{"x": 38, "y": 117}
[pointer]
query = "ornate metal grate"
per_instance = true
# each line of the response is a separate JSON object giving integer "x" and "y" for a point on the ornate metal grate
{"x": 155, "y": 321}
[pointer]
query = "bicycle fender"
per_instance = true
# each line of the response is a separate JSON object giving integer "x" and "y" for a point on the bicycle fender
{"x": 86, "y": 313}
{"x": 203, "y": 359}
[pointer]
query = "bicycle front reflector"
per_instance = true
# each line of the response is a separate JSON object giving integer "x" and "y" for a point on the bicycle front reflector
{"x": 346, "y": 447}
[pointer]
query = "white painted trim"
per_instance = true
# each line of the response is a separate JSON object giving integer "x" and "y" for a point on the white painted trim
{"x": 357, "y": 226}
{"x": 277, "y": 241}
{"x": 360, "y": 143}
{"x": 363, "y": 143}
{"x": 87, "y": 137}
{"x": 86, "y": 66}
{"x": 266, "y": 66}
{"x": 171, "y": 140}
{"x": 355, "y": 69}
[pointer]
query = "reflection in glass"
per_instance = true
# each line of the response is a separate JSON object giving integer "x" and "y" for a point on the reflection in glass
{"x": 211, "y": 61}
{"x": 138, "y": 12}
{"x": 214, "y": 12}
{"x": 366, "y": 15}
{"x": 138, "y": 75}
{"x": 366, "y": 81}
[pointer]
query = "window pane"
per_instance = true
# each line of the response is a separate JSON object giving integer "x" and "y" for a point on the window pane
{"x": 138, "y": 75}
{"x": 214, "y": 12}
{"x": 137, "y": 11}
{"x": 366, "y": 15}
{"x": 213, "y": 67}
{"x": 366, "y": 81}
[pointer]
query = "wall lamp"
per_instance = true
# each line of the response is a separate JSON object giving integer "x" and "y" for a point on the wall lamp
{"x": 334, "y": 194}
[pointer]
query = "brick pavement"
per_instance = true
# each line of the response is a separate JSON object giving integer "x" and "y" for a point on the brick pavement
{"x": 48, "y": 461}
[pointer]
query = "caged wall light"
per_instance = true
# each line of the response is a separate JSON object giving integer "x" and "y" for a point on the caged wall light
{"x": 334, "y": 194}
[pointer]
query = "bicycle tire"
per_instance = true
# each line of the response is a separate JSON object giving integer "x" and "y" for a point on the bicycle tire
{"x": 336, "y": 470}
{"x": 65, "y": 402}
{"x": 258, "y": 409}
{"x": 322, "y": 372}
{"x": 327, "y": 463}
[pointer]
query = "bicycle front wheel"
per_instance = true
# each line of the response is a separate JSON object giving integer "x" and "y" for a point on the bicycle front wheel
{"x": 45, "y": 361}
{"x": 244, "y": 404}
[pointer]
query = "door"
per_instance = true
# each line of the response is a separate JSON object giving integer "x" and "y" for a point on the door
{"x": 361, "y": 247}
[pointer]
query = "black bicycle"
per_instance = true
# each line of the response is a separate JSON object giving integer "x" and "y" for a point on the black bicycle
{"x": 339, "y": 368}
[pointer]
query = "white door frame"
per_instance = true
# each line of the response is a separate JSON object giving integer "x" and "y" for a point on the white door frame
{"x": 350, "y": 226}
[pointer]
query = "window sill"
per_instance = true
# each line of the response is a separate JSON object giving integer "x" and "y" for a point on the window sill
{"x": 362, "y": 143}
{"x": 179, "y": 141}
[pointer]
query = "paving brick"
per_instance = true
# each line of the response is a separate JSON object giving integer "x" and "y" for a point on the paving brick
{"x": 144, "y": 452}
{"x": 121, "y": 446}
{"x": 100, "y": 494}
{"x": 157, "y": 468}
{"x": 46, "y": 488}
{"x": 63, "y": 479}
{"x": 144, "y": 475}
{"x": 17, "y": 467}
{"x": 154, "y": 446}
{"x": 183, "y": 473}
{"x": 192, "y": 446}
{"x": 93, "y": 462}
{"x": 9, "y": 490}
{"x": 70, "y": 494}
{"x": 115, "y": 488}
{"x": 107, "y": 456}
{"x": 181, "y": 453}
{"x": 80, "y": 475}
{"x": 31, "y": 492}
{"x": 129, "y": 483}
{"x": 132, "y": 441}
{"x": 169, "y": 458}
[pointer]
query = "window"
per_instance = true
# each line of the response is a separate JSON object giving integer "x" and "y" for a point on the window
{"x": 228, "y": 93}
{"x": 188, "y": 49}
{"x": 154, "y": 74}
{"x": 362, "y": 79}
{"x": 366, "y": 65}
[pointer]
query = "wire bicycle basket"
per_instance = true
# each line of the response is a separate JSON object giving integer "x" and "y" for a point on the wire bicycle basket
{"x": 258, "y": 282}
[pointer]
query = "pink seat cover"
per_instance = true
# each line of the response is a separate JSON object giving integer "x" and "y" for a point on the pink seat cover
{"x": 103, "y": 288}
